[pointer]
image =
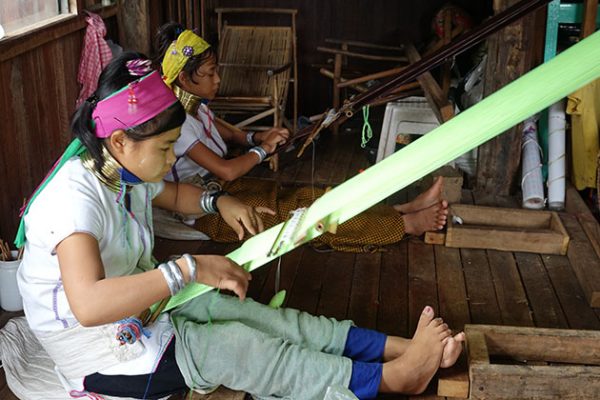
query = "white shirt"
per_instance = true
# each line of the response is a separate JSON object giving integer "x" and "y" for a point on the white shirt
{"x": 76, "y": 201}
{"x": 196, "y": 129}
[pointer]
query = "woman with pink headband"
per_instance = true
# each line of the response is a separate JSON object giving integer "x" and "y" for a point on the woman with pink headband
{"x": 87, "y": 267}
{"x": 88, "y": 276}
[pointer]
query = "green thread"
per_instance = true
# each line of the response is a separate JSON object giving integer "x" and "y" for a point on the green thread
{"x": 277, "y": 300}
{"x": 367, "y": 131}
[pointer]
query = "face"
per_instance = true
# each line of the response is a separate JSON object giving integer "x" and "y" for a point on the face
{"x": 149, "y": 159}
{"x": 207, "y": 80}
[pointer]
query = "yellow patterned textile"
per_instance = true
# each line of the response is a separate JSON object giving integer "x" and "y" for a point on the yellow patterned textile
{"x": 584, "y": 108}
{"x": 367, "y": 232}
{"x": 187, "y": 45}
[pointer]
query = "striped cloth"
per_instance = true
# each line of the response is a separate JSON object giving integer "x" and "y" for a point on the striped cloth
{"x": 367, "y": 232}
{"x": 95, "y": 55}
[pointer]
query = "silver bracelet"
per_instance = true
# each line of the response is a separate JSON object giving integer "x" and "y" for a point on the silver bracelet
{"x": 250, "y": 138}
{"x": 176, "y": 272}
{"x": 191, "y": 263}
{"x": 166, "y": 271}
{"x": 207, "y": 203}
{"x": 262, "y": 154}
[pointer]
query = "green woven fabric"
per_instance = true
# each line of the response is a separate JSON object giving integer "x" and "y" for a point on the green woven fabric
{"x": 495, "y": 114}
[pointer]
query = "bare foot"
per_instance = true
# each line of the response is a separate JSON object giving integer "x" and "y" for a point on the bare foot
{"x": 425, "y": 199}
{"x": 411, "y": 372}
{"x": 395, "y": 346}
{"x": 432, "y": 218}
{"x": 452, "y": 349}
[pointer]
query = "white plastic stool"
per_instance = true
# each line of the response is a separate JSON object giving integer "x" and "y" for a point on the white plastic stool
{"x": 409, "y": 116}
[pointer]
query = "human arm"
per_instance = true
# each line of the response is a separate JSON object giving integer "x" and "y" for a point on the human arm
{"x": 226, "y": 169}
{"x": 268, "y": 139}
{"x": 96, "y": 299}
{"x": 185, "y": 199}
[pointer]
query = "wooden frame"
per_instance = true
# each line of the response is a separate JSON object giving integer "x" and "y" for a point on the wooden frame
{"x": 552, "y": 363}
{"x": 506, "y": 229}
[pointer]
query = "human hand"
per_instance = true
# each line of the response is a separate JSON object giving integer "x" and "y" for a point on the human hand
{"x": 269, "y": 140}
{"x": 222, "y": 273}
{"x": 239, "y": 215}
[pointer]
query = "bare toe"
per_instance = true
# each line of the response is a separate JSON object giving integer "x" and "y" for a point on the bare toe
{"x": 426, "y": 317}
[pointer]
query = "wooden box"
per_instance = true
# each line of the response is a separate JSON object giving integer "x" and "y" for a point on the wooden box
{"x": 534, "y": 363}
{"x": 506, "y": 229}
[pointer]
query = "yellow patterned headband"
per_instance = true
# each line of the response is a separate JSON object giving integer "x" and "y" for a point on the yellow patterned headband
{"x": 188, "y": 44}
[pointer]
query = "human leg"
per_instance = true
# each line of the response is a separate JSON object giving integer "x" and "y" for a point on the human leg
{"x": 314, "y": 332}
{"x": 424, "y": 200}
{"x": 243, "y": 358}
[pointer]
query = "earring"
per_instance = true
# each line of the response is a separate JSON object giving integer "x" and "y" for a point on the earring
{"x": 132, "y": 100}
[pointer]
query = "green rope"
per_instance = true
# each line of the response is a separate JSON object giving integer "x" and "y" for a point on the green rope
{"x": 367, "y": 132}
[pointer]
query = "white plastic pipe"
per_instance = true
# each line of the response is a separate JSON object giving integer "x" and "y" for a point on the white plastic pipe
{"x": 532, "y": 183}
{"x": 556, "y": 156}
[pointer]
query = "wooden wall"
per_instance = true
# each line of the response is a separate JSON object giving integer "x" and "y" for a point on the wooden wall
{"x": 376, "y": 21}
{"x": 38, "y": 89}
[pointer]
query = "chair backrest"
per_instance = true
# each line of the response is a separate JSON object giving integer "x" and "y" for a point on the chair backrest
{"x": 250, "y": 56}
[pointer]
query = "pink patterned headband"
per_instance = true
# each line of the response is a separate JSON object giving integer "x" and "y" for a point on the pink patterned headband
{"x": 132, "y": 105}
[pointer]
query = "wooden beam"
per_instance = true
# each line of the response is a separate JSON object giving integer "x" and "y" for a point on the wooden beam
{"x": 506, "y": 229}
{"x": 227, "y": 10}
{"x": 509, "y": 57}
{"x": 366, "y": 45}
{"x": 360, "y": 55}
{"x": 583, "y": 259}
{"x": 329, "y": 74}
{"x": 541, "y": 344}
{"x": 435, "y": 238}
{"x": 434, "y": 94}
{"x": 454, "y": 382}
{"x": 525, "y": 380}
{"x": 589, "y": 17}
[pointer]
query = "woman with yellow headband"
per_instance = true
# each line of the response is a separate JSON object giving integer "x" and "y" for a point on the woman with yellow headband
{"x": 189, "y": 65}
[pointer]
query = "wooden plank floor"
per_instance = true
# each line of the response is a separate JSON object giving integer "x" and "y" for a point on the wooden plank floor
{"x": 388, "y": 290}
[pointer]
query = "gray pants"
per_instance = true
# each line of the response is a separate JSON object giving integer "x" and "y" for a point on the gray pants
{"x": 251, "y": 347}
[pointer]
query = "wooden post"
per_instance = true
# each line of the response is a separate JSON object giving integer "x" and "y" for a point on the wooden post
{"x": 134, "y": 25}
{"x": 509, "y": 57}
{"x": 439, "y": 103}
{"x": 337, "y": 73}
{"x": 590, "y": 11}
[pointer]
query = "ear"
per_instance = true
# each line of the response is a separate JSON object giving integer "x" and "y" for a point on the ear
{"x": 183, "y": 78}
{"x": 117, "y": 141}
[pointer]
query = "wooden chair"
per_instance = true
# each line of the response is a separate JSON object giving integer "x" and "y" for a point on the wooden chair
{"x": 257, "y": 66}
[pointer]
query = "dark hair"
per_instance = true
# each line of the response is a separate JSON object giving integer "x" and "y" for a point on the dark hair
{"x": 114, "y": 77}
{"x": 166, "y": 35}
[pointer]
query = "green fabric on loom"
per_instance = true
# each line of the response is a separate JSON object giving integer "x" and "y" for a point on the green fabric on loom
{"x": 495, "y": 114}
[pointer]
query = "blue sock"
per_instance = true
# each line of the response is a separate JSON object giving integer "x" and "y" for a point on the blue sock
{"x": 365, "y": 379}
{"x": 364, "y": 345}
